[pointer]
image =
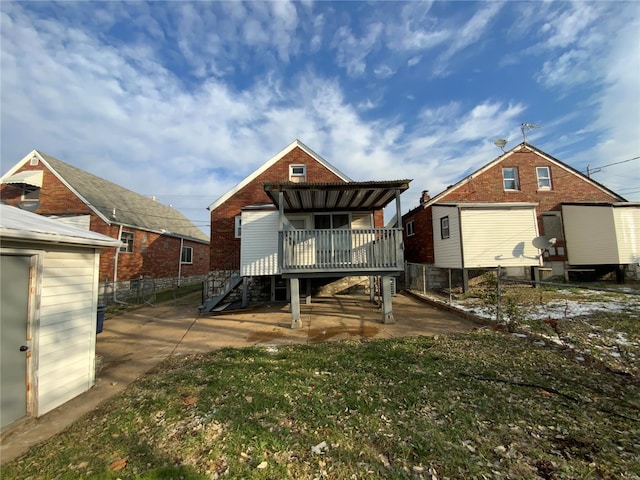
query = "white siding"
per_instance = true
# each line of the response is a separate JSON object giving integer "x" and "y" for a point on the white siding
{"x": 499, "y": 236}
{"x": 447, "y": 250}
{"x": 359, "y": 242}
{"x": 627, "y": 221}
{"x": 601, "y": 234}
{"x": 67, "y": 327}
{"x": 259, "y": 244}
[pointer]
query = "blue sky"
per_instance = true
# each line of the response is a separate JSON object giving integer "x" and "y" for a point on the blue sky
{"x": 183, "y": 100}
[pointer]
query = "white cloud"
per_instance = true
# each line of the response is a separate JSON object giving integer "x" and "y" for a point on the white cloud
{"x": 352, "y": 51}
{"x": 383, "y": 71}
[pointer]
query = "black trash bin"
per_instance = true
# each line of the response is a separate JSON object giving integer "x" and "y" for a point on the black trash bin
{"x": 100, "y": 318}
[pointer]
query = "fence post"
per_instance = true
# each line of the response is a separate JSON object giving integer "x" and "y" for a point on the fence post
{"x": 450, "y": 293}
{"x": 424, "y": 280}
{"x": 499, "y": 297}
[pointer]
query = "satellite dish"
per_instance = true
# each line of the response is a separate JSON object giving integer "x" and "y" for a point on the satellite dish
{"x": 543, "y": 242}
{"x": 500, "y": 142}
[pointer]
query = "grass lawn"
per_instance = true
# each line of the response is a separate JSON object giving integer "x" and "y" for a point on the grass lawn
{"x": 480, "y": 405}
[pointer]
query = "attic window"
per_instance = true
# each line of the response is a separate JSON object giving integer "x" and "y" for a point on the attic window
{"x": 30, "y": 193}
{"x": 544, "y": 178}
{"x": 34, "y": 161}
{"x": 510, "y": 178}
{"x": 297, "y": 173}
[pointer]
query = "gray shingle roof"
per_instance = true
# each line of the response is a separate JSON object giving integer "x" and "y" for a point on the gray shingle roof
{"x": 131, "y": 208}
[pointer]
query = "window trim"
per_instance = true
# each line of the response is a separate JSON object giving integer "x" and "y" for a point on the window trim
{"x": 189, "y": 261}
{"x": 410, "y": 228}
{"x": 238, "y": 226}
{"x": 547, "y": 178}
{"x": 128, "y": 244}
{"x": 302, "y": 175}
{"x": 515, "y": 179}
{"x": 444, "y": 220}
{"x": 27, "y": 189}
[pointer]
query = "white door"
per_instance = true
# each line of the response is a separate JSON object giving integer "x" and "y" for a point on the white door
{"x": 14, "y": 316}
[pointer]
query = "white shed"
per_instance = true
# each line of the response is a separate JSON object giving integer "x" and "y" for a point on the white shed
{"x": 602, "y": 233}
{"x": 485, "y": 235}
{"x": 48, "y": 302}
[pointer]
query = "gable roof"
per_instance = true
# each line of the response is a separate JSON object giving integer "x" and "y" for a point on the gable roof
{"x": 272, "y": 161}
{"x": 20, "y": 225}
{"x": 115, "y": 204}
{"x": 504, "y": 156}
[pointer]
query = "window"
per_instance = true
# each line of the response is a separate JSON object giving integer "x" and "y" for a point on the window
{"x": 444, "y": 227}
{"x": 127, "y": 239}
{"x": 298, "y": 173}
{"x": 187, "y": 255}
{"x": 544, "y": 178}
{"x": 510, "y": 178}
{"x": 30, "y": 193}
{"x": 238, "y": 226}
{"x": 33, "y": 161}
{"x": 552, "y": 225}
{"x": 410, "y": 228}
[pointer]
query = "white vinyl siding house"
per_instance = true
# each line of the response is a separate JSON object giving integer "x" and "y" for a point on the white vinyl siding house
{"x": 259, "y": 245}
{"x": 448, "y": 252}
{"x": 602, "y": 234}
{"x": 486, "y": 235}
{"x": 63, "y": 298}
{"x": 67, "y": 331}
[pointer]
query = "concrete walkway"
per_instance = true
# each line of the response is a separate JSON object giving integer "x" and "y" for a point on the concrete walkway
{"x": 134, "y": 342}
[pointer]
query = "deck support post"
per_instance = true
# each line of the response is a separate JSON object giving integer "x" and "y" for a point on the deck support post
{"x": 465, "y": 280}
{"x": 245, "y": 292}
{"x": 387, "y": 309}
{"x": 295, "y": 303}
{"x": 307, "y": 298}
{"x": 372, "y": 289}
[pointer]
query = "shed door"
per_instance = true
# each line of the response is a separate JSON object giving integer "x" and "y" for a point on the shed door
{"x": 14, "y": 298}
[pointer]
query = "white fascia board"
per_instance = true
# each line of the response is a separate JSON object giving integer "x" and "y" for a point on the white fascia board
{"x": 73, "y": 190}
{"x": 35, "y": 153}
{"x": 269, "y": 163}
{"x": 54, "y": 238}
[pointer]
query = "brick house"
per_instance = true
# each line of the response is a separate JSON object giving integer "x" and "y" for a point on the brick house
{"x": 298, "y": 218}
{"x": 522, "y": 179}
{"x": 158, "y": 241}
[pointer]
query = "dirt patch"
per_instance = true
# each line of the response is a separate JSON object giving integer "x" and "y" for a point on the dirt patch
{"x": 264, "y": 337}
{"x": 325, "y": 334}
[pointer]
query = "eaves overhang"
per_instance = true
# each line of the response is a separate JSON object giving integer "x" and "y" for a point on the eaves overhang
{"x": 342, "y": 196}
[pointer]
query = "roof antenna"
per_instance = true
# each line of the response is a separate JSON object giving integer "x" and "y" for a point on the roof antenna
{"x": 500, "y": 142}
{"x": 527, "y": 126}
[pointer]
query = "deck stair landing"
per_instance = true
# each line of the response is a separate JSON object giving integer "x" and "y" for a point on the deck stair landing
{"x": 213, "y": 303}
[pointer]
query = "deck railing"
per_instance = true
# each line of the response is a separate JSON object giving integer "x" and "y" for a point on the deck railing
{"x": 371, "y": 249}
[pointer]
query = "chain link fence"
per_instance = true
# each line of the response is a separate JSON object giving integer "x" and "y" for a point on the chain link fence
{"x": 149, "y": 290}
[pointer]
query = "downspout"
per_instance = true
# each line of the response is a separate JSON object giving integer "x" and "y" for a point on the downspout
{"x": 180, "y": 262}
{"x": 115, "y": 270}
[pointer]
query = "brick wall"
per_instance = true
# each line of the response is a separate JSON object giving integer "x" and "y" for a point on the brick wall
{"x": 225, "y": 248}
{"x": 488, "y": 187}
{"x": 153, "y": 255}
